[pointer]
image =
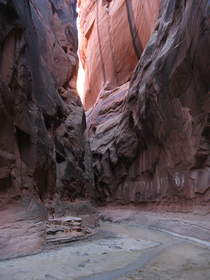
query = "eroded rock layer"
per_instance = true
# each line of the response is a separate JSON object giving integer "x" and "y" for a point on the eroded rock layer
{"x": 114, "y": 34}
{"x": 42, "y": 142}
{"x": 151, "y": 144}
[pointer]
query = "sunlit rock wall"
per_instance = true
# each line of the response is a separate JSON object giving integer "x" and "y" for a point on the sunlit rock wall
{"x": 151, "y": 139}
{"x": 113, "y": 35}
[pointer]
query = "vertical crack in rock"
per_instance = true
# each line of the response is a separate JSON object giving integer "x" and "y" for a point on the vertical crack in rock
{"x": 133, "y": 29}
{"x": 99, "y": 42}
{"x": 111, "y": 46}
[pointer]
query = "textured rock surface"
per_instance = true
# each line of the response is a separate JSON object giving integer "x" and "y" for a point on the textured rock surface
{"x": 117, "y": 31}
{"x": 64, "y": 230}
{"x": 158, "y": 148}
{"x": 42, "y": 142}
{"x": 150, "y": 137}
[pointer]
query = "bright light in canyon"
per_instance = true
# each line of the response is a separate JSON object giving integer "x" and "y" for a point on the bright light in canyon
{"x": 81, "y": 72}
{"x": 80, "y": 81}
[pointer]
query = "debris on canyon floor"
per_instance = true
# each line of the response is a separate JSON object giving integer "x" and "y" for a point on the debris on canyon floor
{"x": 66, "y": 229}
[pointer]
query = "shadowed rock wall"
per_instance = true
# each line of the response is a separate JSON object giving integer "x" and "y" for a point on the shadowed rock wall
{"x": 151, "y": 143}
{"x": 43, "y": 149}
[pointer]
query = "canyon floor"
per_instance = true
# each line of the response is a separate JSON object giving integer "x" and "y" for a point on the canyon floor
{"x": 129, "y": 245}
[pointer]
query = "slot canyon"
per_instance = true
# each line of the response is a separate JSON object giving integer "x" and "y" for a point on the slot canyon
{"x": 105, "y": 139}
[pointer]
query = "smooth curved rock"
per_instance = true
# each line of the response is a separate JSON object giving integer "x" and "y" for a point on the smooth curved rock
{"x": 158, "y": 150}
{"x": 117, "y": 31}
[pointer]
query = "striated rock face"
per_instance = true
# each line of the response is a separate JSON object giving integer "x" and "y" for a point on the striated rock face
{"x": 149, "y": 134}
{"x": 152, "y": 142}
{"x": 114, "y": 34}
{"x": 43, "y": 149}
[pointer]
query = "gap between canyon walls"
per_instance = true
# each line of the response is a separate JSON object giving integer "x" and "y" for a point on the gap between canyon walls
{"x": 147, "y": 120}
{"x": 149, "y": 136}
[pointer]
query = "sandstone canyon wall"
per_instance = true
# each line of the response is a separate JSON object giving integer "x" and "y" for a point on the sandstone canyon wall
{"x": 43, "y": 148}
{"x": 150, "y": 137}
{"x": 113, "y": 36}
{"x": 148, "y": 98}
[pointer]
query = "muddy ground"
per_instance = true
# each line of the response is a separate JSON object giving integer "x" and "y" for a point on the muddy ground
{"x": 130, "y": 245}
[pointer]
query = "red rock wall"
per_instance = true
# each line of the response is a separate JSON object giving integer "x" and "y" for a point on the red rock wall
{"x": 42, "y": 122}
{"x": 153, "y": 146}
{"x": 112, "y": 32}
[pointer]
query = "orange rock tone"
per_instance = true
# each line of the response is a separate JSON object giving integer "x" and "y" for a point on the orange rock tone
{"x": 111, "y": 32}
{"x": 150, "y": 139}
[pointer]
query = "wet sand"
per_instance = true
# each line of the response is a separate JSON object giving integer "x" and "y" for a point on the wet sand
{"x": 130, "y": 248}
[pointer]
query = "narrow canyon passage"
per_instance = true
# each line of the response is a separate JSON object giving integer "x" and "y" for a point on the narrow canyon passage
{"x": 105, "y": 140}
